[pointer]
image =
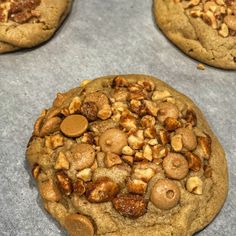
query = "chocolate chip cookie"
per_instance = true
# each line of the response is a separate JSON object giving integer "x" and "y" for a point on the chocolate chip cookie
{"x": 27, "y": 23}
{"x": 127, "y": 155}
{"x": 204, "y": 30}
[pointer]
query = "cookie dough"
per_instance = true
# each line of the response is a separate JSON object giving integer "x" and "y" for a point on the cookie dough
{"x": 147, "y": 161}
{"x": 204, "y": 30}
{"x": 28, "y": 23}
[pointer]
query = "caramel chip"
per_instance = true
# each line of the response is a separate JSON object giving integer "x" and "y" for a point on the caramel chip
{"x": 74, "y": 125}
{"x": 79, "y": 225}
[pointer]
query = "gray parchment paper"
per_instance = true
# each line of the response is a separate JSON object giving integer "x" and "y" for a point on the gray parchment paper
{"x": 100, "y": 37}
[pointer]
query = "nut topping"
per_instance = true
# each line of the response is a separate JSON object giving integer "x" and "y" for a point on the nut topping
{"x": 194, "y": 162}
{"x": 137, "y": 186}
{"x": 49, "y": 191}
{"x": 112, "y": 159}
{"x": 165, "y": 194}
{"x": 130, "y": 205}
{"x": 194, "y": 185}
{"x": 102, "y": 190}
{"x": 64, "y": 182}
{"x": 89, "y": 110}
{"x": 204, "y": 147}
{"x": 188, "y": 138}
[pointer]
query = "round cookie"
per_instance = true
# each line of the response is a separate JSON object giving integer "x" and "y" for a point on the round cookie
{"x": 28, "y": 23}
{"x": 204, "y": 30}
{"x": 147, "y": 162}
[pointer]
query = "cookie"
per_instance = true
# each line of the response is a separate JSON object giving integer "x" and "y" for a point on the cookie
{"x": 28, "y": 23}
{"x": 204, "y": 30}
{"x": 127, "y": 155}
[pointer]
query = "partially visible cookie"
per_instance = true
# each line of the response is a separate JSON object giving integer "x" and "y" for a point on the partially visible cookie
{"x": 28, "y": 23}
{"x": 127, "y": 155}
{"x": 204, "y": 30}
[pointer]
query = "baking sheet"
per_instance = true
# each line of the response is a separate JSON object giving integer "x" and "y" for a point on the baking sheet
{"x": 100, "y": 37}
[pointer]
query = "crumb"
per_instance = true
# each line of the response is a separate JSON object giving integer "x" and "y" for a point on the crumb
{"x": 200, "y": 67}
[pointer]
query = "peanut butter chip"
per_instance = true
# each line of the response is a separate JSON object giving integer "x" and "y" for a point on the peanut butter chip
{"x": 165, "y": 194}
{"x": 113, "y": 140}
{"x": 74, "y": 125}
{"x": 79, "y": 225}
{"x": 175, "y": 166}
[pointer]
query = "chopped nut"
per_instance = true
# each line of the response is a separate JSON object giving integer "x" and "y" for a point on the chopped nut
{"x": 94, "y": 166}
{"x": 204, "y": 147}
{"x": 137, "y": 186}
{"x": 200, "y": 66}
{"x": 120, "y": 95}
{"x": 152, "y": 142}
{"x": 230, "y": 21}
{"x": 171, "y": 124}
{"x": 150, "y": 132}
{"x": 147, "y": 152}
{"x": 89, "y": 110}
{"x": 78, "y": 187}
{"x": 138, "y": 156}
{"x": 102, "y": 190}
{"x": 54, "y": 141}
{"x": 61, "y": 162}
{"x": 128, "y": 121}
{"x": 135, "y": 142}
{"x": 159, "y": 95}
{"x": 84, "y": 82}
{"x": 127, "y": 150}
{"x": 105, "y": 112}
{"x": 49, "y": 191}
{"x": 189, "y": 139}
{"x": 151, "y": 107}
{"x": 74, "y": 105}
{"x": 158, "y": 151}
{"x": 112, "y": 159}
{"x": 148, "y": 85}
{"x": 194, "y": 162}
{"x": 129, "y": 205}
{"x": 88, "y": 138}
{"x": 191, "y": 117}
{"x": 207, "y": 171}
{"x": 194, "y": 185}
{"x": 148, "y": 121}
{"x": 85, "y": 174}
{"x": 167, "y": 109}
{"x": 35, "y": 171}
{"x": 99, "y": 98}
{"x": 137, "y": 95}
{"x": 224, "y": 30}
{"x": 210, "y": 19}
{"x": 163, "y": 137}
{"x": 128, "y": 159}
{"x": 120, "y": 81}
{"x": 50, "y": 126}
{"x": 137, "y": 107}
{"x": 143, "y": 174}
{"x": 176, "y": 142}
{"x": 64, "y": 182}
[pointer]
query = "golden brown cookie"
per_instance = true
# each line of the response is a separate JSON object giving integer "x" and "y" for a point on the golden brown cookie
{"x": 28, "y": 23}
{"x": 146, "y": 162}
{"x": 204, "y": 30}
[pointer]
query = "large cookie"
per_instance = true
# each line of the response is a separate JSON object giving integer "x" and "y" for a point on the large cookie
{"x": 127, "y": 155}
{"x": 204, "y": 30}
{"x": 27, "y": 23}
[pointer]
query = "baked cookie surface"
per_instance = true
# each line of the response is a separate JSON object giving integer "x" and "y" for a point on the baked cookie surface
{"x": 127, "y": 155}
{"x": 27, "y": 23}
{"x": 204, "y": 30}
